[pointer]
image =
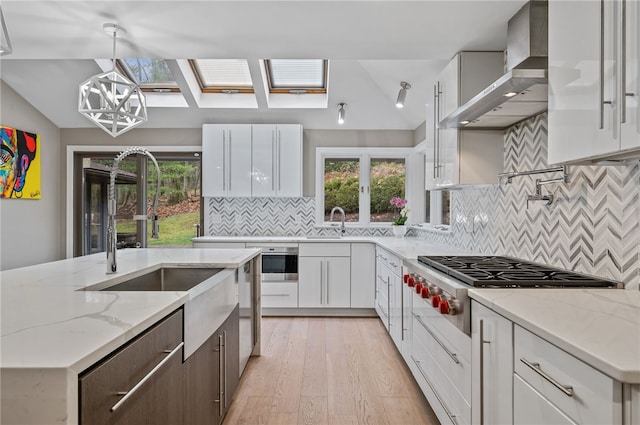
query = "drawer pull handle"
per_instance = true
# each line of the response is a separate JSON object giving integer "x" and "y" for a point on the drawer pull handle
{"x": 568, "y": 390}
{"x": 140, "y": 383}
{"x": 276, "y": 295}
{"x": 451, "y": 416}
{"x": 453, "y": 356}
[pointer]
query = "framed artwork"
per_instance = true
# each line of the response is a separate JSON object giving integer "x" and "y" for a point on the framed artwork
{"x": 19, "y": 164}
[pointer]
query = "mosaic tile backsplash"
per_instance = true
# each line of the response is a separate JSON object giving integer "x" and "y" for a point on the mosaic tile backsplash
{"x": 592, "y": 226}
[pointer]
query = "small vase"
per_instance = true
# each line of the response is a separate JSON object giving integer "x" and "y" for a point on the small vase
{"x": 399, "y": 231}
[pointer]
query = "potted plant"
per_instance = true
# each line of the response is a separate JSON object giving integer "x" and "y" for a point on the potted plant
{"x": 398, "y": 226}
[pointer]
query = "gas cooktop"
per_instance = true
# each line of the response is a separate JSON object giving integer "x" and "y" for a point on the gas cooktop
{"x": 506, "y": 272}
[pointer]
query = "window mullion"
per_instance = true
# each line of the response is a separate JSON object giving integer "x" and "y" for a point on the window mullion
{"x": 365, "y": 192}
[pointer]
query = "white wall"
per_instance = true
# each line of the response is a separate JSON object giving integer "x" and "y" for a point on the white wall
{"x": 32, "y": 231}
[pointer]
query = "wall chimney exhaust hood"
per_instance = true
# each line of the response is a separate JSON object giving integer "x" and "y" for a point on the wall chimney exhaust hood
{"x": 522, "y": 91}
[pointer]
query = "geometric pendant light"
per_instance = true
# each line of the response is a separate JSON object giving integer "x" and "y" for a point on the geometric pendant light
{"x": 111, "y": 100}
{"x": 5, "y": 43}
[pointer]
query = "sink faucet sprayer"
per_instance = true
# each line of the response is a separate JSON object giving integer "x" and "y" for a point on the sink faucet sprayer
{"x": 341, "y": 211}
{"x": 111, "y": 214}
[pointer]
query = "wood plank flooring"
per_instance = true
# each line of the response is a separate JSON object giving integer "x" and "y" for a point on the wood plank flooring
{"x": 328, "y": 371}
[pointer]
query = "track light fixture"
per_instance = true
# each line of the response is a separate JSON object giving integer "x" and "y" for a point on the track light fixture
{"x": 111, "y": 100}
{"x": 341, "y": 112}
{"x": 402, "y": 95}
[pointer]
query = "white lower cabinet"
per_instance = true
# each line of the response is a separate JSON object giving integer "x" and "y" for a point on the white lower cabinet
{"x": 531, "y": 408}
{"x": 492, "y": 366}
{"x": 324, "y": 274}
{"x": 363, "y": 274}
{"x": 279, "y": 294}
{"x": 582, "y": 393}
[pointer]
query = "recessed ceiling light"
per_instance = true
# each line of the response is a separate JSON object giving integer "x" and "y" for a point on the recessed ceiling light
{"x": 510, "y": 94}
{"x": 465, "y": 122}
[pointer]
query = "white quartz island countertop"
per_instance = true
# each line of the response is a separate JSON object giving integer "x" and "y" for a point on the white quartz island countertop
{"x": 598, "y": 326}
{"x": 52, "y": 329}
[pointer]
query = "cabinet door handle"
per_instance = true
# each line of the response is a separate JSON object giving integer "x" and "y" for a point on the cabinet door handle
{"x": 224, "y": 160}
{"x": 278, "y": 159}
{"x": 482, "y": 342}
{"x": 224, "y": 341}
{"x": 435, "y": 127}
{"x": 566, "y": 389}
{"x": 220, "y": 400}
{"x": 148, "y": 376}
{"x": 273, "y": 160}
{"x": 453, "y": 356}
{"x": 327, "y": 278}
{"x": 230, "y": 163}
{"x": 438, "y": 166}
{"x": 321, "y": 282}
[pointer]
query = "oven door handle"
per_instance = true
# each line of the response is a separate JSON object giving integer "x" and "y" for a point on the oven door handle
{"x": 453, "y": 356}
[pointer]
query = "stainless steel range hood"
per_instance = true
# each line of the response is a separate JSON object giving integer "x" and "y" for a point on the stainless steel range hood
{"x": 522, "y": 91}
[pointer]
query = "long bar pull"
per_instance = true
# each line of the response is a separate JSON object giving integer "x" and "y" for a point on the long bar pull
{"x": 224, "y": 160}
{"x": 230, "y": 161}
{"x": 224, "y": 341}
{"x": 321, "y": 281}
{"x": 273, "y": 161}
{"x": 220, "y": 400}
{"x": 328, "y": 283}
{"x": 623, "y": 63}
{"x": 451, "y": 416}
{"x": 453, "y": 356}
{"x": 601, "y": 69}
{"x": 482, "y": 342}
{"x": 435, "y": 127}
{"x": 278, "y": 159}
{"x": 566, "y": 389}
{"x": 148, "y": 376}
{"x": 438, "y": 165}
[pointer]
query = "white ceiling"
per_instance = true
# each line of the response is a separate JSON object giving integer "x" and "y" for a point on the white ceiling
{"x": 372, "y": 46}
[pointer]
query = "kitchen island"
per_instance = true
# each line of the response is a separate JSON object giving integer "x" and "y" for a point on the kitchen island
{"x": 53, "y": 328}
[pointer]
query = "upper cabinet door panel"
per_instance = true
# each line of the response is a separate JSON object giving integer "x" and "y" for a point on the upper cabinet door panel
{"x": 239, "y": 151}
{"x": 213, "y": 160}
{"x": 264, "y": 160}
{"x": 289, "y": 160}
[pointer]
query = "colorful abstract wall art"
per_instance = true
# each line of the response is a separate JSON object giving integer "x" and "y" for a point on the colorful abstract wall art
{"x": 19, "y": 164}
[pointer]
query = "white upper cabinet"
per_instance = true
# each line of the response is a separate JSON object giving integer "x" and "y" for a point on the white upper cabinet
{"x": 244, "y": 160}
{"x": 462, "y": 157}
{"x": 226, "y": 160}
{"x": 277, "y": 160}
{"x": 593, "y": 80}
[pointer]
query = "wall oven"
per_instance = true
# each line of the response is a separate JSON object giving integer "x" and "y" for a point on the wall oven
{"x": 279, "y": 263}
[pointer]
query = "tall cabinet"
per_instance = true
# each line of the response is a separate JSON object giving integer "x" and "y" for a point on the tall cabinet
{"x": 463, "y": 157}
{"x": 276, "y": 157}
{"x": 594, "y": 86}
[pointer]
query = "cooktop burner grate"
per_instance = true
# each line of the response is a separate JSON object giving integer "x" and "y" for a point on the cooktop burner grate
{"x": 506, "y": 272}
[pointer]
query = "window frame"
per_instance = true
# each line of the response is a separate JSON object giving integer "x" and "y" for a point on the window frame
{"x": 225, "y": 89}
{"x": 298, "y": 89}
{"x": 364, "y": 155}
{"x": 147, "y": 87}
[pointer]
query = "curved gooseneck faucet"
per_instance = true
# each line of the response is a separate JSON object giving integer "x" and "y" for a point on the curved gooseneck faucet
{"x": 111, "y": 206}
{"x": 341, "y": 211}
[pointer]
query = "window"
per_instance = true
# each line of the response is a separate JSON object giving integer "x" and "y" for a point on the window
{"x": 296, "y": 76}
{"x": 438, "y": 207}
{"x": 360, "y": 181}
{"x": 150, "y": 74}
{"x": 222, "y": 75}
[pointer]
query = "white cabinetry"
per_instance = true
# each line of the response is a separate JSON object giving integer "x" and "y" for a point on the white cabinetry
{"x": 277, "y": 160}
{"x": 226, "y": 164}
{"x": 560, "y": 385}
{"x": 492, "y": 366}
{"x": 363, "y": 274}
{"x": 593, "y": 80}
{"x": 324, "y": 271}
{"x": 389, "y": 272}
{"x": 463, "y": 157}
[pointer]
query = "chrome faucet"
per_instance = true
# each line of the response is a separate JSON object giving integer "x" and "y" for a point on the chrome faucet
{"x": 341, "y": 211}
{"x": 111, "y": 206}
{"x": 538, "y": 196}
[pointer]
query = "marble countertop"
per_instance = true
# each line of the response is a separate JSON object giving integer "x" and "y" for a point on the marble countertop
{"x": 598, "y": 326}
{"x": 406, "y": 247}
{"x": 48, "y": 320}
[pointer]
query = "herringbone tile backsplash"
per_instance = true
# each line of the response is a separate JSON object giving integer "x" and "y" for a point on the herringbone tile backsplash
{"x": 593, "y": 225}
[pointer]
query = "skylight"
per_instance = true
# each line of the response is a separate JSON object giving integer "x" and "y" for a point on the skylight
{"x": 223, "y": 75}
{"x": 296, "y": 75}
{"x": 149, "y": 74}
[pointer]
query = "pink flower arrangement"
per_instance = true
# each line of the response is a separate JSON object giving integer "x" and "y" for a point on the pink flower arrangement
{"x": 402, "y": 205}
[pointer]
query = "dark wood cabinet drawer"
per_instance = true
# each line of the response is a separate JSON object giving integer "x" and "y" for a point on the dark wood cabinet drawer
{"x": 148, "y": 369}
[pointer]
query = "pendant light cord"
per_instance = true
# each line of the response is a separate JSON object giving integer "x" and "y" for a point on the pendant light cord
{"x": 114, "y": 49}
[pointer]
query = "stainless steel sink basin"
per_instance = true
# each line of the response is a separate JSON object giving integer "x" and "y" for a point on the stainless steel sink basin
{"x": 166, "y": 279}
{"x": 323, "y": 237}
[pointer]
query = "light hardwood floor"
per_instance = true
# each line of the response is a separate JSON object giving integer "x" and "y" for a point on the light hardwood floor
{"x": 328, "y": 371}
